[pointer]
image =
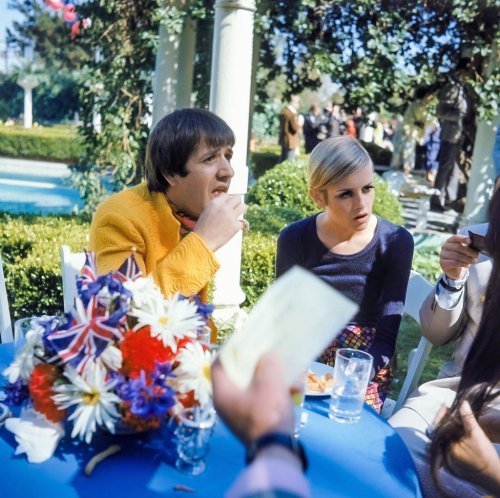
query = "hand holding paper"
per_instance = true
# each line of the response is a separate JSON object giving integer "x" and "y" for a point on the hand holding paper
{"x": 296, "y": 318}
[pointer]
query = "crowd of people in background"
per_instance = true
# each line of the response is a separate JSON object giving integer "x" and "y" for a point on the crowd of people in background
{"x": 434, "y": 135}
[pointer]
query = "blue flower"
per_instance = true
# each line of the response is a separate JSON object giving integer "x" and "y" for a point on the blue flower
{"x": 148, "y": 400}
{"x": 17, "y": 392}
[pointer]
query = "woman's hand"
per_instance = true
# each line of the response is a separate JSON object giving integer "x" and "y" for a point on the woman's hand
{"x": 474, "y": 457}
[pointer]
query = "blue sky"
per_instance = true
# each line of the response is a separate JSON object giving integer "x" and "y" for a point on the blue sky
{"x": 6, "y": 18}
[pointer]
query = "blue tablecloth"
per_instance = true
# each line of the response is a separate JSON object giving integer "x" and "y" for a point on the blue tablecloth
{"x": 367, "y": 459}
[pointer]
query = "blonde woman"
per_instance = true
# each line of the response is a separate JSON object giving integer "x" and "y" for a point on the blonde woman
{"x": 365, "y": 257}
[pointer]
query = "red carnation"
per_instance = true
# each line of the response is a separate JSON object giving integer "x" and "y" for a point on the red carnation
{"x": 41, "y": 383}
{"x": 140, "y": 351}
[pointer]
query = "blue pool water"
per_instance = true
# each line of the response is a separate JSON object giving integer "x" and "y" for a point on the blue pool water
{"x": 37, "y": 188}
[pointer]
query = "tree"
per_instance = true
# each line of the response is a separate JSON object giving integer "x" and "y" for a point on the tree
{"x": 47, "y": 32}
{"x": 379, "y": 50}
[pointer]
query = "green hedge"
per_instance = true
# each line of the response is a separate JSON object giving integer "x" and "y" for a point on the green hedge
{"x": 49, "y": 144}
{"x": 30, "y": 248}
{"x": 285, "y": 185}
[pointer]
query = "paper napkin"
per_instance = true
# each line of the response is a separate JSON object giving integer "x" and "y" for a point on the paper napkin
{"x": 297, "y": 317}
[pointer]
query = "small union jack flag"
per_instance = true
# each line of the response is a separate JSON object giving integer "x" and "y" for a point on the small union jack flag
{"x": 88, "y": 335}
{"x": 129, "y": 270}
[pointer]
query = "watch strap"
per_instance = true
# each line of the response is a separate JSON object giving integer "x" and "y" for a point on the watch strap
{"x": 277, "y": 439}
{"x": 448, "y": 287}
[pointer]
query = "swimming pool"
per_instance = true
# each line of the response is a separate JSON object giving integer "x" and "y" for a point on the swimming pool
{"x": 37, "y": 187}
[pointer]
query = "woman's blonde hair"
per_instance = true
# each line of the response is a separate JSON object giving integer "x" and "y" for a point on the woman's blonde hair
{"x": 334, "y": 159}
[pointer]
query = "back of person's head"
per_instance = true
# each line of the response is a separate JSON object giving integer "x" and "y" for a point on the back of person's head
{"x": 334, "y": 159}
{"x": 481, "y": 371}
{"x": 175, "y": 137}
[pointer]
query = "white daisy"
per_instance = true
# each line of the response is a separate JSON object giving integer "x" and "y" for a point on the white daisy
{"x": 169, "y": 319}
{"x": 27, "y": 357}
{"x": 193, "y": 372}
{"x": 111, "y": 357}
{"x": 144, "y": 291}
{"x": 96, "y": 403}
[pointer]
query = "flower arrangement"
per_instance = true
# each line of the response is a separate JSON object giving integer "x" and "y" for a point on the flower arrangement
{"x": 125, "y": 357}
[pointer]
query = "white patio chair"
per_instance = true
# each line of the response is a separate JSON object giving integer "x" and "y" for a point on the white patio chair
{"x": 71, "y": 264}
{"x": 5, "y": 323}
{"x": 418, "y": 289}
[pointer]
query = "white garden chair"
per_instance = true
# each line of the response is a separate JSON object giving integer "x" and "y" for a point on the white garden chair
{"x": 71, "y": 265}
{"x": 418, "y": 289}
{"x": 5, "y": 323}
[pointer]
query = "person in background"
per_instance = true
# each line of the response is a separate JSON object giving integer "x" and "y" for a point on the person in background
{"x": 453, "y": 110}
{"x": 262, "y": 417}
{"x": 411, "y": 131}
{"x": 358, "y": 119}
{"x": 313, "y": 131}
{"x": 363, "y": 256}
{"x": 175, "y": 220}
{"x": 289, "y": 136}
{"x": 432, "y": 144}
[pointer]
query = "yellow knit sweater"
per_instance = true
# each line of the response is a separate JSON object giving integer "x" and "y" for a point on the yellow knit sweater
{"x": 137, "y": 218}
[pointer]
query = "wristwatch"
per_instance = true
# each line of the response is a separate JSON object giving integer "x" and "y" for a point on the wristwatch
{"x": 277, "y": 439}
{"x": 452, "y": 285}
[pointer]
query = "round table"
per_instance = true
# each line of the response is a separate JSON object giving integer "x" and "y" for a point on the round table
{"x": 367, "y": 459}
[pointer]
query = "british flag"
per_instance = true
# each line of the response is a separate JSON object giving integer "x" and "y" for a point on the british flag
{"x": 88, "y": 335}
{"x": 129, "y": 270}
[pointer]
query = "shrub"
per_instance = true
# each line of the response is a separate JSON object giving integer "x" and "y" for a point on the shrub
{"x": 286, "y": 186}
{"x": 257, "y": 265}
{"x": 271, "y": 220}
{"x": 426, "y": 262}
{"x": 50, "y": 144}
{"x": 260, "y": 162}
{"x": 30, "y": 251}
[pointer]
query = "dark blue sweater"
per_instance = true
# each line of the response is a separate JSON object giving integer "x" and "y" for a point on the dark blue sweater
{"x": 375, "y": 278}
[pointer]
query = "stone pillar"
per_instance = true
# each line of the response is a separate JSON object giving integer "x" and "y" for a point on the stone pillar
{"x": 230, "y": 99}
{"x": 173, "y": 78}
{"x": 185, "y": 63}
{"x": 28, "y": 82}
{"x": 482, "y": 176}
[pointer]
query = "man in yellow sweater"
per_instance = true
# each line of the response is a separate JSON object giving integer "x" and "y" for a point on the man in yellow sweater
{"x": 175, "y": 220}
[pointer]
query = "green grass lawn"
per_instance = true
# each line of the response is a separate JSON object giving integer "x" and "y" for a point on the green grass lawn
{"x": 408, "y": 338}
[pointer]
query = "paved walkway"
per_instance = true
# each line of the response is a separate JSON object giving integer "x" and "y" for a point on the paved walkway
{"x": 440, "y": 223}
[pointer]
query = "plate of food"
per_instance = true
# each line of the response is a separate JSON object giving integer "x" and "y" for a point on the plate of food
{"x": 319, "y": 380}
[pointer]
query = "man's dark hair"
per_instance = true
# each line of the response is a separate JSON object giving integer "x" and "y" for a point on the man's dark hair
{"x": 175, "y": 137}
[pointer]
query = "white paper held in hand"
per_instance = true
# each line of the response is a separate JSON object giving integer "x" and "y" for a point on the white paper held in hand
{"x": 297, "y": 317}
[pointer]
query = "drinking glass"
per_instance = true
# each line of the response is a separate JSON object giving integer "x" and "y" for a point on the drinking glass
{"x": 195, "y": 426}
{"x": 298, "y": 394}
{"x": 350, "y": 379}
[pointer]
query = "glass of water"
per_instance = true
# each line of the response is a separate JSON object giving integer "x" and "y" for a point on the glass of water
{"x": 195, "y": 426}
{"x": 298, "y": 395}
{"x": 351, "y": 375}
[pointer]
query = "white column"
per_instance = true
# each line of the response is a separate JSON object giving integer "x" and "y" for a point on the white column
{"x": 230, "y": 99}
{"x": 165, "y": 77}
{"x": 185, "y": 63}
{"x": 173, "y": 77}
{"x": 482, "y": 176}
{"x": 28, "y": 82}
{"x": 482, "y": 173}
